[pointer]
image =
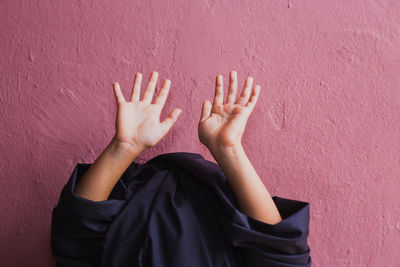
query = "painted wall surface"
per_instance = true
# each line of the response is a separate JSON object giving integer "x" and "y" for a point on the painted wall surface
{"x": 326, "y": 127}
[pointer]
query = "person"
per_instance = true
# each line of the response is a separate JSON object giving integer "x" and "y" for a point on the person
{"x": 264, "y": 229}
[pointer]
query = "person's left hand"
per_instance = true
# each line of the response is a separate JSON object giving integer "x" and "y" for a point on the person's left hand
{"x": 221, "y": 125}
{"x": 138, "y": 121}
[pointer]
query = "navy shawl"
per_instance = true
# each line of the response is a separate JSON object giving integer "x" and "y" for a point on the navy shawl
{"x": 176, "y": 210}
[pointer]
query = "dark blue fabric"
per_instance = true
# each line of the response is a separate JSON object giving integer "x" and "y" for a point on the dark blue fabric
{"x": 177, "y": 209}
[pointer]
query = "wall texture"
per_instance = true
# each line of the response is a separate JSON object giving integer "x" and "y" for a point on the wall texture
{"x": 326, "y": 128}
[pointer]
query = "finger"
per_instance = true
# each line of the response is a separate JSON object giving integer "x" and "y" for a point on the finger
{"x": 232, "y": 88}
{"x": 244, "y": 96}
{"x": 118, "y": 94}
{"x": 151, "y": 86}
{"x": 219, "y": 91}
{"x": 205, "y": 110}
{"x": 170, "y": 120}
{"x": 162, "y": 96}
{"x": 253, "y": 98}
{"x": 136, "y": 87}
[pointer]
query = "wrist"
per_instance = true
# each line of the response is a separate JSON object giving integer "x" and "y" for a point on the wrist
{"x": 125, "y": 148}
{"x": 222, "y": 152}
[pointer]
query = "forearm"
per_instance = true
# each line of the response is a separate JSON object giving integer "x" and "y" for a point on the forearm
{"x": 101, "y": 177}
{"x": 253, "y": 198}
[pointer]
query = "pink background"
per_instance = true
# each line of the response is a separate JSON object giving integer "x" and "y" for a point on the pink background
{"x": 326, "y": 128}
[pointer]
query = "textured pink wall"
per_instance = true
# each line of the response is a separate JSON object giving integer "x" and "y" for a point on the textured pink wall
{"x": 326, "y": 128}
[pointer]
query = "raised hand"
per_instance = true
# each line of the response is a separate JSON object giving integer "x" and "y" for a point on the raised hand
{"x": 138, "y": 127}
{"x": 222, "y": 124}
{"x": 138, "y": 121}
{"x": 221, "y": 127}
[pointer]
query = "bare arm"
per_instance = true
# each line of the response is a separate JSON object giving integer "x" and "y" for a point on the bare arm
{"x": 253, "y": 197}
{"x": 101, "y": 177}
{"x": 221, "y": 127}
{"x": 137, "y": 128}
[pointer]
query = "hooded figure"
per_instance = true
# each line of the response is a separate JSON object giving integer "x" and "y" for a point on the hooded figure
{"x": 177, "y": 209}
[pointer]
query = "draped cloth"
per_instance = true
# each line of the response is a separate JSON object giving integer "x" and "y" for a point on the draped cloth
{"x": 177, "y": 209}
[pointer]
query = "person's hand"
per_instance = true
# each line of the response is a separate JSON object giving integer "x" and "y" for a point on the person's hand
{"x": 222, "y": 125}
{"x": 138, "y": 121}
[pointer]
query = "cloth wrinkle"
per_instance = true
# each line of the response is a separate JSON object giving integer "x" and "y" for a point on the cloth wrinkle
{"x": 177, "y": 209}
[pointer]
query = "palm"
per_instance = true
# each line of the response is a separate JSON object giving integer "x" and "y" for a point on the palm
{"x": 224, "y": 124}
{"x": 138, "y": 122}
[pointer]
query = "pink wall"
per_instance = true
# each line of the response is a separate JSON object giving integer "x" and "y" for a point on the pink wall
{"x": 326, "y": 128}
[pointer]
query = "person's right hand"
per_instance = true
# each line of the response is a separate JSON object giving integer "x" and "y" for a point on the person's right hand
{"x": 138, "y": 121}
{"x": 222, "y": 125}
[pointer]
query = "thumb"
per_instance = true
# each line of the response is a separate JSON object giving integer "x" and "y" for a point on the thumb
{"x": 205, "y": 110}
{"x": 170, "y": 120}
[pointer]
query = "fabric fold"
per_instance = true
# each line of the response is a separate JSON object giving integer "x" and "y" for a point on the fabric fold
{"x": 79, "y": 225}
{"x": 175, "y": 210}
{"x": 281, "y": 244}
